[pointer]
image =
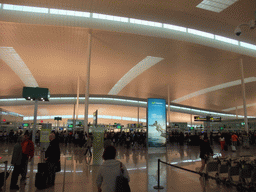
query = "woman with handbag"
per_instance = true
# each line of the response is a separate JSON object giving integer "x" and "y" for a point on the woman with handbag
{"x": 111, "y": 173}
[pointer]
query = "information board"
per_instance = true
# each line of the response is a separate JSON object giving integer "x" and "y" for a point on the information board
{"x": 156, "y": 118}
{"x": 44, "y": 135}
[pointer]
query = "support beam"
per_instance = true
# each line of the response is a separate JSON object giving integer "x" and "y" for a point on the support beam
{"x": 244, "y": 99}
{"x": 86, "y": 128}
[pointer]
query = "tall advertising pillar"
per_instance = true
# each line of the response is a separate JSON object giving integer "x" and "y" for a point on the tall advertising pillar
{"x": 156, "y": 140}
{"x": 98, "y": 144}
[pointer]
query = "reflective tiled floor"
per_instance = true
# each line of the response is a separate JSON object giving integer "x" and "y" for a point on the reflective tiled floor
{"x": 80, "y": 173}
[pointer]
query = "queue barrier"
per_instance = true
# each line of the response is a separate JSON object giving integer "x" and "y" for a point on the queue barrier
{"x": 204, "y": 175}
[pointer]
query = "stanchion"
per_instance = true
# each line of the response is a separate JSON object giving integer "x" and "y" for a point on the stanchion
{"x": 5, "y": 175}
{"x": 158, "y": 177}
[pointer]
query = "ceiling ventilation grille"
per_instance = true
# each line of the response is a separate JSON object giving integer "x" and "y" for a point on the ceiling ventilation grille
{"x": 215, "y": 5}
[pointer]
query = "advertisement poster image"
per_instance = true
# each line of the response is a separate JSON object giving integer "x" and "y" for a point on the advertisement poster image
{"x": 156, "y": 114}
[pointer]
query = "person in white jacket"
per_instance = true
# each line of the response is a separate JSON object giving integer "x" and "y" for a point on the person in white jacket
{"x": 109, "y": 170}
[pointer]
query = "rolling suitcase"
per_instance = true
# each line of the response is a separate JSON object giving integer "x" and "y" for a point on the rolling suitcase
{"x": 41, "y": 180}
{"x": 41, "y": 175}
{"x": 233, "y": 148}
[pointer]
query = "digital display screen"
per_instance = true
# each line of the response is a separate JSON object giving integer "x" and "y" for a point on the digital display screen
{"x": 25, "y": 124}
{"x": 156, "y": 116}
{"x": 200, "y": 118}
{"x": 70, "y": 126}
{"x": 207, "y": 118}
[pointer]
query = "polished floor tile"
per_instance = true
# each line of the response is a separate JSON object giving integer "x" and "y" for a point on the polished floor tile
{"x": 80, "y": 173}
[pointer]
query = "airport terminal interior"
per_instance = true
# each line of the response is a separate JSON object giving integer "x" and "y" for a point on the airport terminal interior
{"x": 152, "y": 77}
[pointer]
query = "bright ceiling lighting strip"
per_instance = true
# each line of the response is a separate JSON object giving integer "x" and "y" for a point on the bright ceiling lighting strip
{"x": 182, "y": 109}
{"x": 110, "y": 17}
{"x": 138, "y": 21}
{"x": 25, "y": 8}
{"x": 214, "y": 88}
{"x": 89, "y": 116}
{"x": 201, "y": 33}
{"x": 69, "y": 13}
{"x": 13, "y": 60}
{"x": 144, "y": 22}
{"x": 226, "y": 40}
{"x": 215, "y": 5}
{"x": 134, "y": 72}
{"x": 248, "y": 45}
{"x": 175, "y": 27}
{"x": 239, "y": 107}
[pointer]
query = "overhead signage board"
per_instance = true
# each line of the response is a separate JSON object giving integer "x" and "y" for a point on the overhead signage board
{"x": 215, "y": 119}
{"x": 156, "y": 120}
{"x": 207, "y": 118}
{"x": 200, "y": 118}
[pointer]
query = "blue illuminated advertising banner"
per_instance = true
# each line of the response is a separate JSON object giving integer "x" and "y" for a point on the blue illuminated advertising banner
{"x": 156, "y": 116}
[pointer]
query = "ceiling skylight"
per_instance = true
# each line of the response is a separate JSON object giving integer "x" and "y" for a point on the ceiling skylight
{"x": 25, "y": 8}
{"x": 215, "y": 5}
{"x": 214, "y": 88}
{"x": 11, "y": 58}
{"x": 110, "y": 17}
{"x": 69, "y": 13}
{"x": 134, "y": 72}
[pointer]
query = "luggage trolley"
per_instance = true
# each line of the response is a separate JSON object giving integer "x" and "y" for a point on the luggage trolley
{"x": 223, "y": 167}
{"x": 245, "y": 173}
{"x": 5, "y": 174}
{"x": 212, "y": 165}
{"x": 233, "y": 171}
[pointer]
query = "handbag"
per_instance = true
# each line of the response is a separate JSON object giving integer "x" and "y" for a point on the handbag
{"x": 122, "y": 184}
{"x": 58, "y": 167}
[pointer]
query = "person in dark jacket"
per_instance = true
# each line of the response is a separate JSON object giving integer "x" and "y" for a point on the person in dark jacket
{"x": 205, "y": 151}
{"x": 17, "y": 163}
{"x": 52, "y": 158}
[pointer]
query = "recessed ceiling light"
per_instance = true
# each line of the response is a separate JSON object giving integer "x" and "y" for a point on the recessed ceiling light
{"x": 215, "y": 5}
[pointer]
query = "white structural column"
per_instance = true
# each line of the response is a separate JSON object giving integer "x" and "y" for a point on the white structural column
{"x": 168, "y": 112}
{"x": 138, "y": 116}
{"x": 74, "y": 117}
{"x": 244, "y": 100}
{"x": 34, "y": 126}
{"x": 236, "y": 113}
{"x": 77, "y": 98}
{"x": 86, "y": 128}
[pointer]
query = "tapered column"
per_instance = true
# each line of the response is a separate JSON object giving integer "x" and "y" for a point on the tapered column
{"x": 244, "y": 100}
{"x": 34, "y": 126}
{"x": 77, "y": 98}
{"x": 86, "y": 128}
{"x": 236, "y": 113}
{"x": 168, "y": 112}
{"x": 138, "y": 116}
{"x": 74, "y": 117}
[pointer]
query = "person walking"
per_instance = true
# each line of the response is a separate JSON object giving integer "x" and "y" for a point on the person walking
{"x": 88, "y": 146}
{"x": 16, "y": 162}
{"x": 27, "y": 154}
{"x": 52, "y": 157}
{"x": 234, "y": 139}
{"x": 222, "y": 142}
{"x": 109, "y": 170}
{"x": 205, "y": 151}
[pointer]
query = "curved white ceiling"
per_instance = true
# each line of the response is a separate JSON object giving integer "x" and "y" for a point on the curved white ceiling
{"x": 134, "y": 72}
{"x": 214, "y": 88}
{"x": 13, "y": 60}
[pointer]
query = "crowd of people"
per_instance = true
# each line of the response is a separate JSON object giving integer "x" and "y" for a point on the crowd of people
{"x": 23, "y": 151}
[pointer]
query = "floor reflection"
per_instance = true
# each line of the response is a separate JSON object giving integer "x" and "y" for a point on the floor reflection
{"x": 80, "y": 173}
